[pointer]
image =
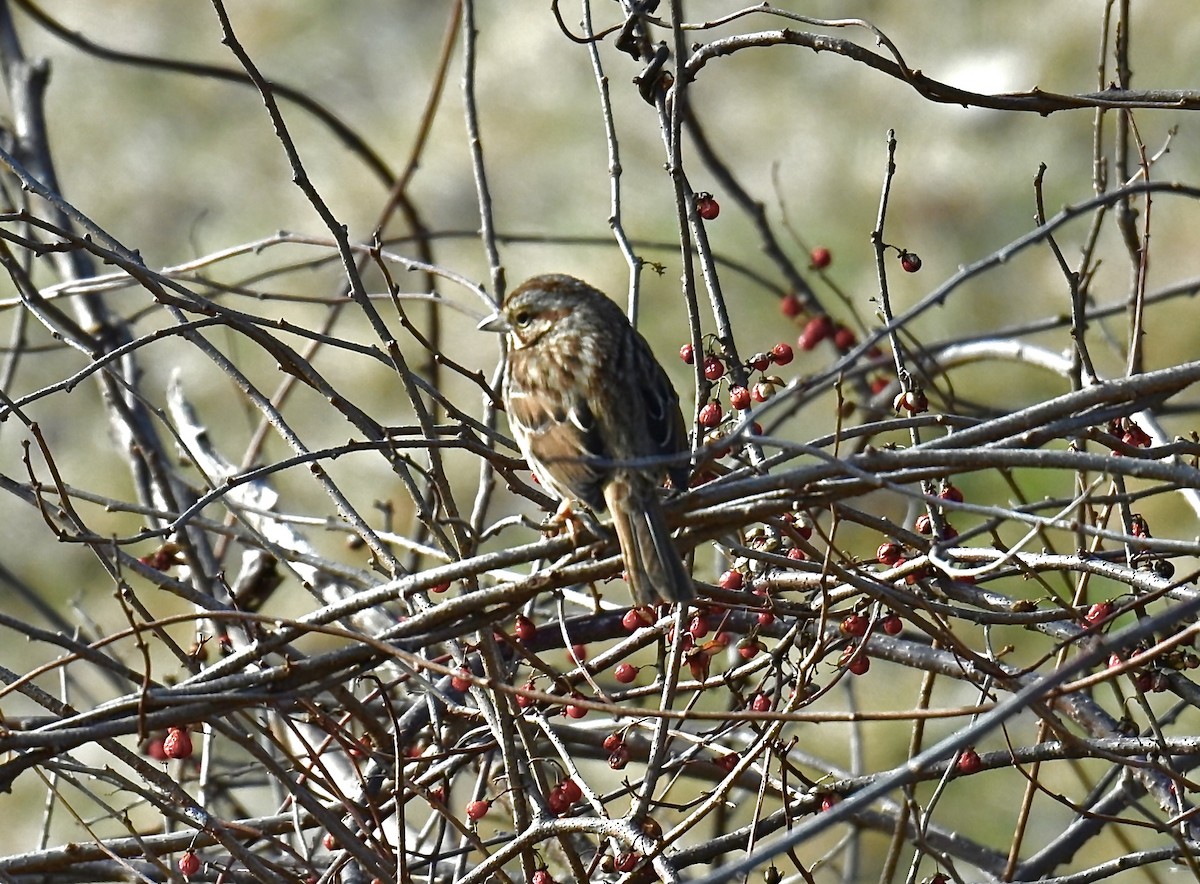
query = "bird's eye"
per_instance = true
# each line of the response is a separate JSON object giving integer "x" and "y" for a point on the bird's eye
{"x": 523, "y": 318}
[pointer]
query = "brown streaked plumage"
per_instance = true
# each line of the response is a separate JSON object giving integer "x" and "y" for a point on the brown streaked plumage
{"x": 590, "y": 406}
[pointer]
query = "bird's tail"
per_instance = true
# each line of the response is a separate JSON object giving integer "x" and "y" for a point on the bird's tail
{"x": 652, "y": 563}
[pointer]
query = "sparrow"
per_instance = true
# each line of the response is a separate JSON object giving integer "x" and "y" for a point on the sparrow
{"x": 597, "y": 419}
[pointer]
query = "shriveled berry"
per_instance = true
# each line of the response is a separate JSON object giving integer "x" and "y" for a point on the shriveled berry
{"x": 910, "y": 262}
{"x": 625, "y": 673}
{"x": 707, "y": 207}
{"x": 889, "y": 552}
{"x": 714, "y": 368}
{"x": 781, "y": 354}
{"x": 619, "y": 757}
{"x": 687, "y": 353}
{"x": 177, "y": 743}
{"x": 710, "y": 415}
{"x": 820, "y": 258}
{"x": 762, "y": 391}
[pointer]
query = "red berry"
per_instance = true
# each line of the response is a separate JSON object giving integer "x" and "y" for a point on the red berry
{"x": 759, "y": 361}
{"x": 969, "y": 761}
{"x": 710, "y": 415}
{"x": 525, "y": 702}
{"x": 855, "y": 625}
{"x": 781, "y": 354}
{"x": 626, "y": 862}
{"x": 924, "y": 524}
{"x": 698, "y": 626}
{"x": 748, "y": 648}
{"x": 820, "y": 258}
{"x": 791, "y": 306}
{"x": 951, "y": 493}
{"x": 1098, "y": 612}
{"x": 844, "y": 338}
{"x": 713, "y": 367}
{"x": 727, "y": 762}
{"x": 910, "y": 262}
{"x": 619, "y": 757}
{"x": 625, "y": 673}
{"x": 687, "y": 353}
{"x": 612, "y": 741}
{"x": 762, "y": 391}
{"x": 440, "y": 587}
{"x": 892, "y": 624}
{"x": 541, "y": 876}
{"x": 761, "y": 702}
{"x": 189, "y": 864}
{"x": 817, "y": 330}
{"x": 462, "y": 681}
{"x": 576, "y": 711}
{"x": 177, "y": 743}
{"x": 154, "y": 749}
{"x": 879, "y": 384}
{"x": 765, "y": 618}
{"x": 557, "y": 801}
{"x": 739, "y": 397}
{"x": 578, "y": 653}
{"x": 571, "y": 790}
{"x": 797, "y": 555}
{"x": 478, "y": 809}
{"x": 732, "y": 580}
{"x": 829, "y": 801}
{"x": 525, "y": 629}
{"x": 329, "y": 842}
{"x": 707, "y": 207}
{"x": 856, "y": 665}
{"x": 889, "y": 552}
{"x": 636, "y": 618}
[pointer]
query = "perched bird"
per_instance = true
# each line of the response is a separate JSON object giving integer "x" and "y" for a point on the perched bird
{"x": 597, "y": 419}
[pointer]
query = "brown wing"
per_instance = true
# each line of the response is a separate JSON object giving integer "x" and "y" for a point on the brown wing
{"x": 558, "y": 436}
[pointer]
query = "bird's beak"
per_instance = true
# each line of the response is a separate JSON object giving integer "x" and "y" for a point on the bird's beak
{"x": 495, "y": 323}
